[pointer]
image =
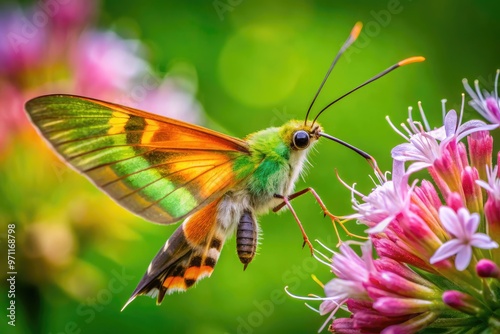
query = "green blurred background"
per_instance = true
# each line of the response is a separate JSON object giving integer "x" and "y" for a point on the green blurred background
{"x": 257, "y": 63}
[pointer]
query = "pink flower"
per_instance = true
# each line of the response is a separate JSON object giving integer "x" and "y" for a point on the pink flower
{"x": 463, "y": 226}
{"x": 492, "y": 185}
{"x": 352, "y": 271}
{"x": 384, "y": 203}
{"x": 428, "y": 237}
{"x": 488, "y": 105}
{"x": 425, "y": 145}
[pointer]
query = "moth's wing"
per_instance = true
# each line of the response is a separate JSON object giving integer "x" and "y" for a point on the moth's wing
{"x": 189, "y": 255}
{"x": 159, "y": 168}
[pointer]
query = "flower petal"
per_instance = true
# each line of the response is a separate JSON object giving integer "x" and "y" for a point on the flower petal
{"x": 469, "y": 221}
{"x": 485, "y": 185}
{"x": 417, "y": 166}
{"x": 405, "y": 152}
{"x": 463, "y": 258}
{"x": 380, "y": 227}
{"x": 481, "y": 240}
{"x": 439, "y": 133}
{"x": 446, "y": 250}
{"x": 473, "y": 126}
{"x": 449, "y": 219}
{"x": 327, "y": 306}
{"x": 450, "y": 123}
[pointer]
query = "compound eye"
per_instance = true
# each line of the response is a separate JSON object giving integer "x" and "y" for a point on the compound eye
{"x": 301, "y": 139}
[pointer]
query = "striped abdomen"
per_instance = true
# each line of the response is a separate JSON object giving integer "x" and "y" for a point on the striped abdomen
{"x": 246, "y": 238}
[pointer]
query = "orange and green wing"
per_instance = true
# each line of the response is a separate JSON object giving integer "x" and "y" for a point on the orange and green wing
{"x": 159, "y": 168}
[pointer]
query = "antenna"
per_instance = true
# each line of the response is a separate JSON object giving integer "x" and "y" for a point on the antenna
{"x": 351, "y": 39}
{"x": 378, "y": 76}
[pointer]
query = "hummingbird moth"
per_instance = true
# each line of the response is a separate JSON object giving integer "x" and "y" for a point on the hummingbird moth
{"x": 165, "y": 170}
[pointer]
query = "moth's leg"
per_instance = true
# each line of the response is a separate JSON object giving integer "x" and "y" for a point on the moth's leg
{"x": 334, "y": 218}
{"x": 286, "y": 202}
{"x": 316, "y": 196}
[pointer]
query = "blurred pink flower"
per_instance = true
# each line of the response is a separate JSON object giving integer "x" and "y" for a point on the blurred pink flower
{"x": 172, "y": 98}
{"x": 56, "y": 55}
{"x": 488, "y": 105}
{"x": 22, "y": 44}
{"x": 70, "y": 15}
{"x": 11, "y": 120}
{"x": 105, "y": 64}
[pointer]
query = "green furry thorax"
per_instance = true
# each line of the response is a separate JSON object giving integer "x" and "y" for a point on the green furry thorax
{"x": 269, "y": 159}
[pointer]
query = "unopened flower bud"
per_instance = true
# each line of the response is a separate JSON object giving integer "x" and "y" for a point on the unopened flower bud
{"x": 461, "y": 301}
{"x": 487, "y": 268}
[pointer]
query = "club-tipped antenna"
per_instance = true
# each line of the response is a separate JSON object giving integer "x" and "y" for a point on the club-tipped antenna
{"x": 351, "y": 39}
{"x": 378, "y": 76}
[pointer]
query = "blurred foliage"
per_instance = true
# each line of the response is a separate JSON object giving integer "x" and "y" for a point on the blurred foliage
{"x": 258, "y": 64}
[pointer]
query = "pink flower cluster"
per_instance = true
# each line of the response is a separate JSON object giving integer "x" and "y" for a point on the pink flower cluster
{"x": 436, "y": 240}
